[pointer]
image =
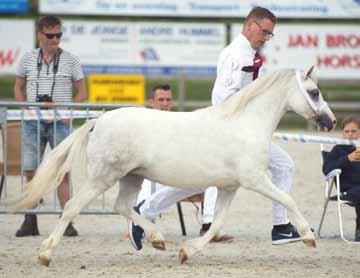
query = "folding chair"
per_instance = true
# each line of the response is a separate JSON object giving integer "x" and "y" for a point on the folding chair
{"x": 11, "y": 142}
{"x": 332, "y": 181}
{"x": 198, "y": 198}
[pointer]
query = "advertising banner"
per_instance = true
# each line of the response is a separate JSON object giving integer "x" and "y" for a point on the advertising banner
{"x": 145, "y": 48}
{"x": 200, "y": 8}
{"x": 18, "y": 36}
{"x": 14, "y": 6}
{"x": 334, "y": 49}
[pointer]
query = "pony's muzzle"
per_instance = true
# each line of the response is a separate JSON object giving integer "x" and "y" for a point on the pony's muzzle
{"x": 325, "y": 122}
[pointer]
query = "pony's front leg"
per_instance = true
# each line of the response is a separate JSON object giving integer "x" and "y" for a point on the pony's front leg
{"x": 129, "y": 187}
{"x": 71, "y": 209}
{"x": 264, "y": 186}
{"x": 190, "y": 247}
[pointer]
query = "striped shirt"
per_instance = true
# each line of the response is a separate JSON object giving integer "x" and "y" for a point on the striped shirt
{"x": 69, "y": 70}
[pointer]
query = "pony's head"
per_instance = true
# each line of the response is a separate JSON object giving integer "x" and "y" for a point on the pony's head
{"x": 309, "y": 102}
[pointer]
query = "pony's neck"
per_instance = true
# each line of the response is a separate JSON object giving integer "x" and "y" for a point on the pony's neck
{"x": 269, "y": 108}
{"x": 262, "y": 103}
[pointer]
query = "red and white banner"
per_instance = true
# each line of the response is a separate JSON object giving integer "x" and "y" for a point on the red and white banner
{"x": 334, "y": 49}
{"x": 17, "y": 37}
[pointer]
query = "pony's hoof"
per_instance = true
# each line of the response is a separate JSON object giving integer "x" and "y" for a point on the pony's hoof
{"x": 183, "y": 257}
{"x": 310, "y": 242}
{"x": 159, "y": 244}
{"x": 44, "y": 260}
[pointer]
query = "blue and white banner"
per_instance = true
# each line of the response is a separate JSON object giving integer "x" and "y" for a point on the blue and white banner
{"x": 146, "y": 48}
{"x": 14, "y": 6}
{"x": 200, "y": 8}
{"x": 333, "y": 49}
{"x": 17, "y": 37}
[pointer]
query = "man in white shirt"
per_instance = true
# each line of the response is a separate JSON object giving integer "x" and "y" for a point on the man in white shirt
{"x": 238, "y": 65}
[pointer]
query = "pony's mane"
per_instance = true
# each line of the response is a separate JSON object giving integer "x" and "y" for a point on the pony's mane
{"x": 237, "y": 102}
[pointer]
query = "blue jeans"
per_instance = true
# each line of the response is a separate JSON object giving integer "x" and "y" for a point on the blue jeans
{"x": 34, "y": 147}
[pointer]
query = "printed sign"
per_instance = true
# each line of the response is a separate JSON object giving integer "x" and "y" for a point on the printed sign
{"x": 125, "y": 89}
{"x": 334, "y": 49}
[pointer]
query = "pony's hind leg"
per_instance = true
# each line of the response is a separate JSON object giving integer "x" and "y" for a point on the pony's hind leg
{"x": 129, "y": 187}
{"x": 265, "y": 187}
{"x": 72, "y": 208}
{"x": 223, "y": 201}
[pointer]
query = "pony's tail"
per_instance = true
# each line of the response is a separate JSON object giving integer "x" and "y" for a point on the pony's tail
{"x": 53, "y": 168}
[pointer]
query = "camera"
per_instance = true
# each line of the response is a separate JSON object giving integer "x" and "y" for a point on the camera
{"x": 43, "y": 98}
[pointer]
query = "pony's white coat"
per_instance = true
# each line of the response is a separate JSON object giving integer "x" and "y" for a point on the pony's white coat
{"x": 225, "y": 146}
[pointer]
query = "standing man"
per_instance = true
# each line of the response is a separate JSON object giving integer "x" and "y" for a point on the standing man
{"x": 46, "y": 74}
{"x": 238, "y": 65}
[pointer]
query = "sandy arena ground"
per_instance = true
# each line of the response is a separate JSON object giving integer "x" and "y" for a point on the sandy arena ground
{"x": 102, "y": 251}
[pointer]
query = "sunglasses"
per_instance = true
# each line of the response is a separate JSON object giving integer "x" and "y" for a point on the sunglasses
{"x": 51, "y": 36}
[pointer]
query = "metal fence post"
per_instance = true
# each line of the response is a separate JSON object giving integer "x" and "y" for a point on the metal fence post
{"x": 3, "y": 114}
{"x": 181, "y": 100}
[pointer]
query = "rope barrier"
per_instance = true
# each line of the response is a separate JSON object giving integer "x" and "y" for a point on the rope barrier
{"x": 51, "y": 114}
{"x": 314, "y": 139}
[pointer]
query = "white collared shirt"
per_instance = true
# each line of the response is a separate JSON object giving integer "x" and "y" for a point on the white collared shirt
{"x": 230, "y": 78}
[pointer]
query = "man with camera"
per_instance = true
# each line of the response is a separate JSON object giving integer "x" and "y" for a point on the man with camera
{"x": 47, "y": 74}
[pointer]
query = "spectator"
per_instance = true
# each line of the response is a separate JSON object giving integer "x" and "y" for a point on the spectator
{"x": 347, "y": 158}
{"x": 151, "y": 205}
{"x": 46, "y": 74}
{"x": 161, "y": 99}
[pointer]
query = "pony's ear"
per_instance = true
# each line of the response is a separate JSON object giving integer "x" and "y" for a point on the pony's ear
{"x": 309, "y": 72}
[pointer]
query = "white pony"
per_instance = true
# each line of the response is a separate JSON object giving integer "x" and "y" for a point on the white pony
{"x": 225, "y": 145}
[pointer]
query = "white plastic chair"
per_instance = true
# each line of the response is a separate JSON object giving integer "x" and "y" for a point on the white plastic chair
{"x": 332, "y": 181}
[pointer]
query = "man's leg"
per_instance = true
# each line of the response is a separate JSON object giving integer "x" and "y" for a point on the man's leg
{"x": 63, "y": 191}
{"x": 210, "y": 197}
{"x": 157, "y": 203}
{"x": 31, "y": 159}
{"x": 281, "y": 167}
{"x": 163, "y": 199}
{"x": 147, "y": 189}
{"x": 357, "y": 229}
{"x": 352, "y": 195}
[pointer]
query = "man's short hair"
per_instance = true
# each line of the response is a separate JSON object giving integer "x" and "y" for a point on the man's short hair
{"x": 164, "y": 87}
{"x": 260, "y": 13}
{"x": 48, "y": 21}
{"x": 350, "y": 119}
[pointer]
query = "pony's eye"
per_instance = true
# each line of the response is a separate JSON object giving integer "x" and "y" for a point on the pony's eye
{"x": 314, "y": 94}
